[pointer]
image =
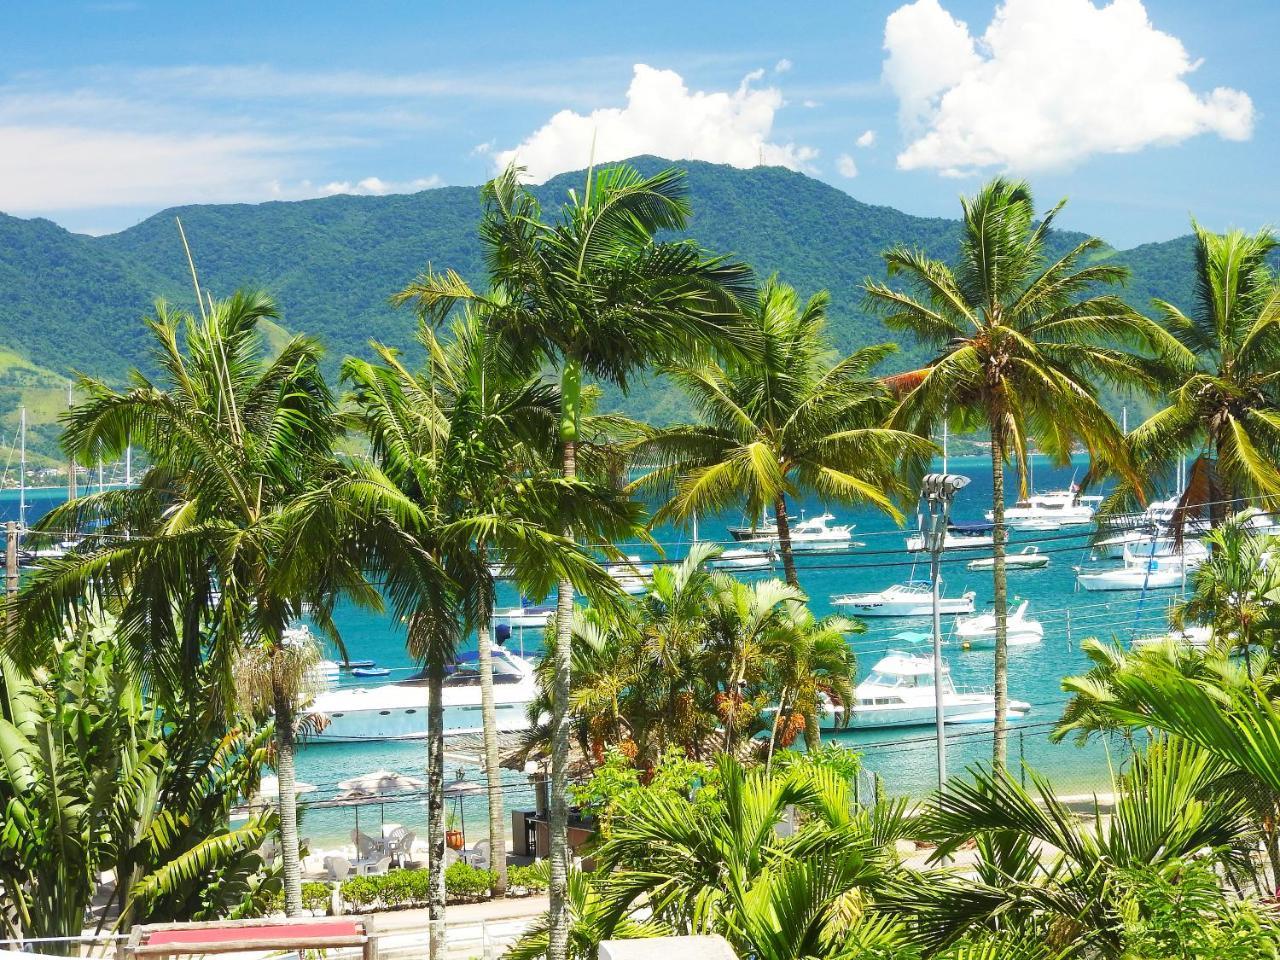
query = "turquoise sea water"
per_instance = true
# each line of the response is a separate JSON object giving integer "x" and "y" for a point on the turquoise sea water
{"x": 905, "y": 758}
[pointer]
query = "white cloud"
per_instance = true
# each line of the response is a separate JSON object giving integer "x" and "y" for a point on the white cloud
{"x": 866, "y": 139}
{"x": 1050, "y": 83}
{"x": 482, "y": 148}
{"x": 376, "y": 186}
{"x": 782, "y": 66}
{"x": 662, "y": 116}
{"x": 810, "y": 104}
{"x": 846, "y": 166}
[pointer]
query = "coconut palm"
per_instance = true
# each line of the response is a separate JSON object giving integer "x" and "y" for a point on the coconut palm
{"x": 244, "y": 522}
{"x": 779, "y": 423}
{"x": 595, "y": 295}
{"x": 1225, "y": 406}
{"x": 461, "y": 439}
{"x": 1023, "y": 342}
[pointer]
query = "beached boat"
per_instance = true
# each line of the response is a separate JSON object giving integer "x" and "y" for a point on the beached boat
{"x": 959, "y": 536}
{"x": 1028, "y": 558}
{"x": 398, "y": 711}
{"x": 524, "y": 616}
{"x": 911, "y": 599}
{"x": 979, "y": 633}
{"x": 899, "y": 692}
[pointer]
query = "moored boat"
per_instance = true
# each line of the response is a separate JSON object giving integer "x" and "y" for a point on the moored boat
{"x": 911, "y": 599}
{"x": 959, "y": 536}
{"x": 979, "y": 633}
{"x": 398, "y": 711}
{"x": 743, "y": 558}
{"x": 900, "y": 692}
{"x": 524, "y": 616}
{"x": 1029, "y": 558}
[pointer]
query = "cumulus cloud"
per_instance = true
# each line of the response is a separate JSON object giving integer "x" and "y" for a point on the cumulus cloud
{"x": 846, "y": 166}
{"x": 662, "y": 116}
{"x": 866, "y": 139}
{"x": 782, "y": 66}
{"x": 1048, "y": 84}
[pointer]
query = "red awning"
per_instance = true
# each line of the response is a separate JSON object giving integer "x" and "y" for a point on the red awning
{"x": 314, "y": 929}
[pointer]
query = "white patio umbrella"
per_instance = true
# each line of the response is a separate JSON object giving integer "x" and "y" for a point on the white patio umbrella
{"x": 269, "y": 790}
{"x": 376, "y": 787}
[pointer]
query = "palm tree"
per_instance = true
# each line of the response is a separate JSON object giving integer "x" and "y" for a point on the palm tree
{"x": 1022, "y": 343}
{"x": 780, "y": 422}
{"x": 1045, "y": 870}
{"x": 1225, "y": 407}
{"x": 460, "y": 440}
{"x": 812, "y": 660}
{"x": 244, "y": 521}
{"x": 595, "y": 295}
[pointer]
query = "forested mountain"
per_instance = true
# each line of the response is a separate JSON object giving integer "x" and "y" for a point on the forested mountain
{"x": 72, "y": 303}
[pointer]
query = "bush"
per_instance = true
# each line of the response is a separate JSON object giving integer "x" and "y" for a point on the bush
{"x": 532, "y": 878}
{"x": 468, "y": 882}
{"x": 359, "y": 892}
{"x": 316, "y": 896}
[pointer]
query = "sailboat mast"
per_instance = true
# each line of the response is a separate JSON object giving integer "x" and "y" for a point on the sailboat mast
{"x": 128, "y": 465}
{"x": 22, "y": 470}
{"x": 944, "y": 444}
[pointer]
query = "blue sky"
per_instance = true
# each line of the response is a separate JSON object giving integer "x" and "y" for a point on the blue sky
{"x": 1140, "y": 113}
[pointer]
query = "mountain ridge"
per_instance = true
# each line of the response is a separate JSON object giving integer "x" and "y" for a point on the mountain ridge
{"x": 72, "y": 302}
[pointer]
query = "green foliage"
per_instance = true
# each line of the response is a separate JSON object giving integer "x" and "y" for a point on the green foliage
{"x": 843, "y": 761}
{"x": 1179, "y": 911}
{"x": 617, "y": 785}
{"x": 412, "y": 888}
{"x": 463, "y": 881}
{"x": 533, "y": 878}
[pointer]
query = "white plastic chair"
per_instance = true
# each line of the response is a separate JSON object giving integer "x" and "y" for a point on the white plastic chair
{"x": 373, "y": 869}
{"x": 479, "y": 855}
{"x": 366, "y": 846}
{"x": 338, "y": 868}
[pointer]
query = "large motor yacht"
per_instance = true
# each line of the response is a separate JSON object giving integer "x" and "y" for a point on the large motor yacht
{"x": 899, "y": 692}
{"x": 398, "y": 711}
{"x": 911, "y": 599}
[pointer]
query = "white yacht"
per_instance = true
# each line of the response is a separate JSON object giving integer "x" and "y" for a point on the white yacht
{"x": 1138, "y": 573}
{"x": 911, "y": 599}
{"x": 1166, "y": 553}
{"x": 633, "y": 586}
{"x": 815, "y": 533}
{"x": 899, "y": 692}
{"x": 1065, "y": 507}
{"x": 1028, "y": 558}
{"x": 524, "y": 616}
{"x": 743, "y": 558}
{"x": 632, "y": 566}
{"x": 1195, "y": 636}
{"x": 959, "y": 536}
{"x": 398, "y": 711}
{"x": 979, "y": 633}
{"x": 765, "y": 530}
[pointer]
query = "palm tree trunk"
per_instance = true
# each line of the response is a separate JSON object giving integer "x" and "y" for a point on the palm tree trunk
{"x": 1000, "y": 589}
{"x": 288, "y": 798}
{"x": 558, "y": 819}
{"x": 435, "y": 810}
{"x": 773, "y": 733}
{"x": 784, "y": 541}
{"x": 492, "y": 769}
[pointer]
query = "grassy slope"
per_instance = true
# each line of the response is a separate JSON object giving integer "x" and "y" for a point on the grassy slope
{"x": 70, "y": 302}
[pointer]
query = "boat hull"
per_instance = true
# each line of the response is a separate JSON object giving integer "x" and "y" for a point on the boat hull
{"x": 963, "y": 709}
{"x": 1115, "y": 581}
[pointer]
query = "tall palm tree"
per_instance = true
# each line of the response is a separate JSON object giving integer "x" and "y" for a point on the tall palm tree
{"x": 1225, "y": 406}
{"x": 244, "y": 521}
{"x": 812, "y": 660}
{"x": 1023, "y": 342}
{"x": 461, "y": 440}
{"x": 594, "y": 294}
{"x": 781, "y": 421}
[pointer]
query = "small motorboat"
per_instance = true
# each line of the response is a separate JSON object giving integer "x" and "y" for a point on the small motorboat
{"x": 1196, "y": 637}
{"x": 354, "y": 665}
{"x": 816, "y": 533}
{"x": 632, "y": 566}
{"x": 911, "y": 599}
{"x": 959, "y": 536}
{"x": 899, "y": 692}
{"x": 743, "y": 558}
{"x": 525, "y": 616}
{"x": 371, "y": 671}
{"x": 979, "y": 633}
{"x": 633, "y": 586}
{"x": 1029, "y": 558}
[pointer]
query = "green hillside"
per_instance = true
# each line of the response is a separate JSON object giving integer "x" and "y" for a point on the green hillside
{"x": 70, "y": 302}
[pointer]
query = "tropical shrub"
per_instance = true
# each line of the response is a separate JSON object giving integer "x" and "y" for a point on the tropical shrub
{"x": 533, "y": 877}
{"x": 360, "y": 892}
{"x": 463, "y": 881}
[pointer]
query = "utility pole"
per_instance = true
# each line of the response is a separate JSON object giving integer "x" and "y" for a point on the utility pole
{"x": 937, "y": 492}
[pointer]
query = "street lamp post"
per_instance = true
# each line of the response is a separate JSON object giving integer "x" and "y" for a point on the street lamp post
{"x": 937, "y": 492}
